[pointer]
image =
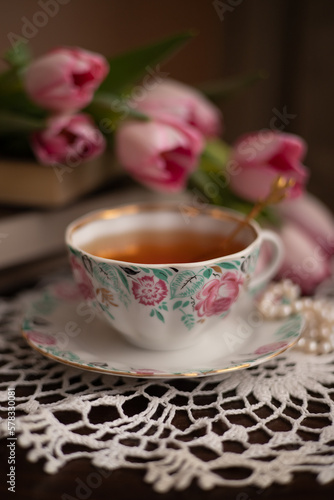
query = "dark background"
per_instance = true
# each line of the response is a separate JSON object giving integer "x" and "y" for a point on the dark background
{"x": 292, "y": 40}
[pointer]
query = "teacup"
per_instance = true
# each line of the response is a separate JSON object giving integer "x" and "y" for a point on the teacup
{"x": 168, "y": 305}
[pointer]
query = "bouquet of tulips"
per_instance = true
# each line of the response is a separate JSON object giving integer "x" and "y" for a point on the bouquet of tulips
{"x": 70, "y": 104}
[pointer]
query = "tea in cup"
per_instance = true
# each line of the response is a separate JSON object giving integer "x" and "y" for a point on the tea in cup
{"x": 163, "y": 275}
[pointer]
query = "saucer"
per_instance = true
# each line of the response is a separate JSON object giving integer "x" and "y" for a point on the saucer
{"x": 60, "y": 325}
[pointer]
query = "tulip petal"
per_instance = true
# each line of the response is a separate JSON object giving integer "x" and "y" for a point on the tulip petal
{"x": 68, "y": 138}
{"x": 256, "y": 148}
{"x": 262, "y": 156}
{"x": 65, "y": 78}
{"x": 305, "y": 263}
{"x": 160, "y": 153}
{"x": 294, "y": 146}
{"x": 248, "y": 181}
{"x": 313, "y": 217}
{"x": 187, "y": 104}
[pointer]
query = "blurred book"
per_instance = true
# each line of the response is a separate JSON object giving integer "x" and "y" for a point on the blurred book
{"x": 32, "y": 241}
{"x": 29, "y": 184}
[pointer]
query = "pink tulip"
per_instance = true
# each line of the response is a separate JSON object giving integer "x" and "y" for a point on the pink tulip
{"x": 260, "y": 157}
{"x": 311, "y": 215}
{"x": 308, "y": 236}
{"x": 159, "y": 153}
{"x": 305, "y": 262}
{"x": 65, "y": 79}
{"x": 179, "y": 100}
{"x": 69, "y": 140}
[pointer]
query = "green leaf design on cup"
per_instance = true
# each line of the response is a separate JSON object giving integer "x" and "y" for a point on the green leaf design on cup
{"x": 106, "y": 275}
{"x": 228, "y": 265}
{"x": 159, "y": 315}
{"x": 123, "y": 279}
{"x": 188, "y": 320}
{"x": 161, "y": 274}
{"x": 177, "y": 305}
{"x": 185, "y": 284}
{"x": 207, "y": 273}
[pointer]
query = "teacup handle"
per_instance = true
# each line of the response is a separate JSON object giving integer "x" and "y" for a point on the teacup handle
{"x": 257, "y": 282}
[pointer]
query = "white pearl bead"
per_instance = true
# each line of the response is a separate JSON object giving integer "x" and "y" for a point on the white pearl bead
{"x": 311, "y": 346}
{"x": 286, "y": 310}
{"x": 311, "y": 318}
{"x": 317, "y": 305}
{"x": 312, "y": 333}
{"x": 324, "y": 347}
{"x": 324, "y": 332}
{"x": 307, "y": 303}
{"x": 330, "y": 316}
{"x": 298, "y": 306}
{"x": 301, "y": 343}
{"x": 282, "y": 299}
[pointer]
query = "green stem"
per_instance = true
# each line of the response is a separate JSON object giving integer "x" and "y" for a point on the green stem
{"x": 224, "y": 88}
{"x": 15, "y": 123}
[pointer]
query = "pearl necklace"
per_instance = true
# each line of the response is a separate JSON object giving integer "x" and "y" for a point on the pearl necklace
{"x": 282, "y": 299}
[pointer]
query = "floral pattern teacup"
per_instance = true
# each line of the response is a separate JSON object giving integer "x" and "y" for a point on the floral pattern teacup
{"x": 167, "y": 306}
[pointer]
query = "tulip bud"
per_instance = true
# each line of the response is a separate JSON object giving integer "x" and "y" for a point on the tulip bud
{"x": 68, "y": 140}
{"x": 262, "y": 156}
{"x": 65, "y": 79}
{"x": 160, "y": 153}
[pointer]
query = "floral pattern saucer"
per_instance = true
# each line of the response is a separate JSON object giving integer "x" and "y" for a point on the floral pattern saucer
{"x": 60, "y": 325}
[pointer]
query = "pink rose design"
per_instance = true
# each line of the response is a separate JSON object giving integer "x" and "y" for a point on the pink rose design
{"x": 82, "y": 278}
{"x": 66, "y": 291}
{"x": 260, "y": 157}
{"x": 148, "y": 291}
{"x": 65, "y": 79}
{"x": 144, "y": 371}
{"x": 68, "y": 139}
{"x": 41, "y": 338}
{"x": 265, "y": 349}
{"x": 160, "y": 153}
{"x": 218, "y": 295}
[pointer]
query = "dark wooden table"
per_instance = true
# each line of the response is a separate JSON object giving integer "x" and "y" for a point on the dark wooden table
{"x": 80, "y": 480}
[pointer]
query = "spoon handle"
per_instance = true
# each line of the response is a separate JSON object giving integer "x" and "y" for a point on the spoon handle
{"x": 277, "y": 193}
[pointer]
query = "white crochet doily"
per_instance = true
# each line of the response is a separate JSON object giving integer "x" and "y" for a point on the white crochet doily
{"x": 247, "y": 428}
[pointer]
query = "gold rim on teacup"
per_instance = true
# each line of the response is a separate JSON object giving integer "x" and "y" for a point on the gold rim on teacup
{"x": 185, "y": 210}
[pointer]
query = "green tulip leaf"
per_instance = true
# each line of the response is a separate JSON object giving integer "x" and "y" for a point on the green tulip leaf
{"x": 18, "y": 55}
{"x": 109, "y": 109}
{"x": 15, "y": 123}
{"x": 227, "y": 87}
{"x": 215, "y": 156}
{"x": 127, "y": 68}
